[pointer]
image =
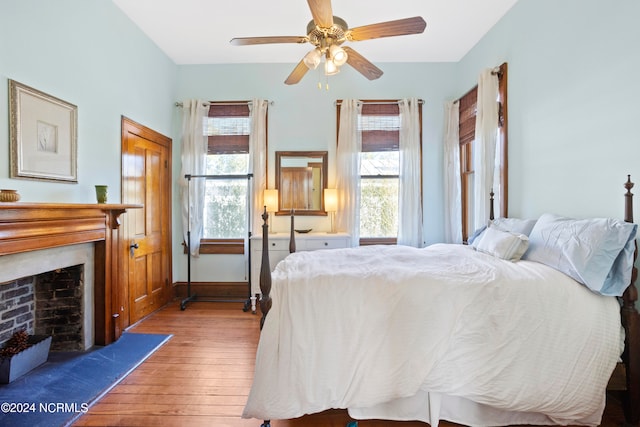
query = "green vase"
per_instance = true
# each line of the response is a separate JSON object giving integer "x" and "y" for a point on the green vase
{"x": 101, "y": 193}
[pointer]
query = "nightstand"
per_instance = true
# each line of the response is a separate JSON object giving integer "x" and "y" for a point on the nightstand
{"x": 279, "y": 249}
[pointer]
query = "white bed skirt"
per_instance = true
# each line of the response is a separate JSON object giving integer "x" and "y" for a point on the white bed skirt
{"x": 432, "y": 408}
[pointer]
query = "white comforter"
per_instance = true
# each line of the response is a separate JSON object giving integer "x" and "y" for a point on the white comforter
{"x": 372, "y": 328}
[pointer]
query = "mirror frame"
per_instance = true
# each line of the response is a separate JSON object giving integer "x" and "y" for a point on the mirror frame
{"x": 321, "y": 156}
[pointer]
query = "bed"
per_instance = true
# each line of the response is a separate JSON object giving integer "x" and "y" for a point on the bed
{"x": 484, "y": 334}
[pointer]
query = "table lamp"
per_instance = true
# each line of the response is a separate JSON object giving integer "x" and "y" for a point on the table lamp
{"x": 331, "y": 205}
{"x": 271, "y": 204}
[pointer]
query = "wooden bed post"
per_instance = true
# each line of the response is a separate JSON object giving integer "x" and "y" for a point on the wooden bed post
{"x": 265, "y": 280}
{"x": 292, "y": 235}
{"x": 631, "y": 323}
{"x": 491, "y": 210}
{"x": 265, "y": 270}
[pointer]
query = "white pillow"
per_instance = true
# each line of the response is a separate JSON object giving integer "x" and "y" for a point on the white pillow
{"x": 502, "y": 244}
{"x": 514, "y": 225}
{"x": 596, "y": 252}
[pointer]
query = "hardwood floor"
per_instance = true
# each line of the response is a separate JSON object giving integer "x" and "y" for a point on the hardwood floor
{"x": 202, "y": 376}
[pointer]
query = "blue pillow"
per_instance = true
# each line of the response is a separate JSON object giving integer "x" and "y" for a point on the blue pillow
{"x": 596, "y": 252}
{"x": 476, "y": 234}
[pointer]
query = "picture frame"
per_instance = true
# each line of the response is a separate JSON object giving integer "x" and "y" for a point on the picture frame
{"x": 43, "y": 133}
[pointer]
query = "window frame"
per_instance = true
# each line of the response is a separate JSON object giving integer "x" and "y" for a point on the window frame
{"x": 368, "y": 241}
{"x": 233, "y": 246}
{"x": 467, "y": 118}
{"x": 220, "y": 246}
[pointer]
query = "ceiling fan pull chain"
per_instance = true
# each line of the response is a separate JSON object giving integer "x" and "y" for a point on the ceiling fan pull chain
{"x": 320, "y": 75}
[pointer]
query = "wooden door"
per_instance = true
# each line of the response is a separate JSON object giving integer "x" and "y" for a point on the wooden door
{"x": 146, "y": 180}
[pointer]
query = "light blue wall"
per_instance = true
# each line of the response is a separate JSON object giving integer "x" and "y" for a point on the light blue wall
{"x": 573, "y": 86}
{"x": 573, "y": 110}
{"x": 90, "y": 54}
{"x": 303, "y": 117}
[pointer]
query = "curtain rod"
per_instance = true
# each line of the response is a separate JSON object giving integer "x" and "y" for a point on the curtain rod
{"x": 339, "y": 102}
{"x": 206, "y": 104}
{"x": 495, "y": 71}
{"x": 247, "y": 176}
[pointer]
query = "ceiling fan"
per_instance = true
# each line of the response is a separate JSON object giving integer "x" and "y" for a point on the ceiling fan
{"x": 327, "y": 33}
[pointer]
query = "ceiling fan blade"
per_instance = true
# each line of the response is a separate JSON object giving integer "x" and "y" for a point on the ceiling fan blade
{"x": 321, "y": 12}
{"x": 400, "y": 27}
{"x": 297, "y": 74}
{"x": 362, "y": 65}
{"x": 246, "y": 41}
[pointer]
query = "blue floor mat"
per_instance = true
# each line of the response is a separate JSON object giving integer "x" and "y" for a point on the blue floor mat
{"x": 63, "y": 388}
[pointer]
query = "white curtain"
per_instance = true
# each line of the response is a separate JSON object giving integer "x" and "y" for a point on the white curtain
{"x": 485, "y": 145}
{"x": 348, "y": 170}
{"x": 258, "y": 167}
{"x": 452, "y": 184}
{"x": 410, "y": 200}
{"x": 194, "y": 153}
{"x": 258, "y": 160}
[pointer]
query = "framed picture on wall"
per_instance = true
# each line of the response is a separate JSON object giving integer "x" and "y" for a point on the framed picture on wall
{"x": 43, "y": 135}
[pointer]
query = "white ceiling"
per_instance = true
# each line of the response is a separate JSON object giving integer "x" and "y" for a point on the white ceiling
{"x": 198, "y": 31}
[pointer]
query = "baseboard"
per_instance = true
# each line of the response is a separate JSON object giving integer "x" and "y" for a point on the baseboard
{"x": 221, "y": 290}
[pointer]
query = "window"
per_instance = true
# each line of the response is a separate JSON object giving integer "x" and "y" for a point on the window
{"x": 225, "y": 206}
{"x": 467, "y": 129}
{"x": 379, "y": 186}
{"x": 379, "y": 124}
{"x": 467, "y": 125}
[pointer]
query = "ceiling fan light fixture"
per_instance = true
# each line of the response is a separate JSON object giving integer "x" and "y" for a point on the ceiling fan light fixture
{"x": 312, "y": 59}
{"x": 338, "y": 55}
{"x": 330, "y": 68}
{"x": 326, "y": 33}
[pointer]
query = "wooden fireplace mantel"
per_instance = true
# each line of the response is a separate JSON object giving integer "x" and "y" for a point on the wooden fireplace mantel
{"x": 28, "y": 227}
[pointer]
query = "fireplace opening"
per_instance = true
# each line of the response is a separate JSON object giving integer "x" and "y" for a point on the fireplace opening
{"x": 49, "y": 303}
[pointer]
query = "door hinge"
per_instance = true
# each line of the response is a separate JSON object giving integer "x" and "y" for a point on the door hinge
{"x": 166, "y": 164}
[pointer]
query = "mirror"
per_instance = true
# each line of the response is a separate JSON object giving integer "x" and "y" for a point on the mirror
{"x": 301, "y": 177}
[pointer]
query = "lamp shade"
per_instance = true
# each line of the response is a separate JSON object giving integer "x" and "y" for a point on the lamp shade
{"x": 330, "y": 68}
{"x": 312, "y": 59}
{"x": 338, "y": 55}
{"x": 330, "y": 199}
{"x": 271, "y": 200}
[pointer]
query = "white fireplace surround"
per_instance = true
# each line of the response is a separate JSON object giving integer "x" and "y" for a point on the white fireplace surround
{"x": 26, "y": 264}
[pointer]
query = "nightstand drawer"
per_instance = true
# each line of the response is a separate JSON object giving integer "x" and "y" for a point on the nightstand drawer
{"x": 316, "y": 244}
{"x": 278, "y": 245}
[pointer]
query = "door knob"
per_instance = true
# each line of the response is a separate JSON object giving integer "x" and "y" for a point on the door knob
{"x": 132, "y": 247}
